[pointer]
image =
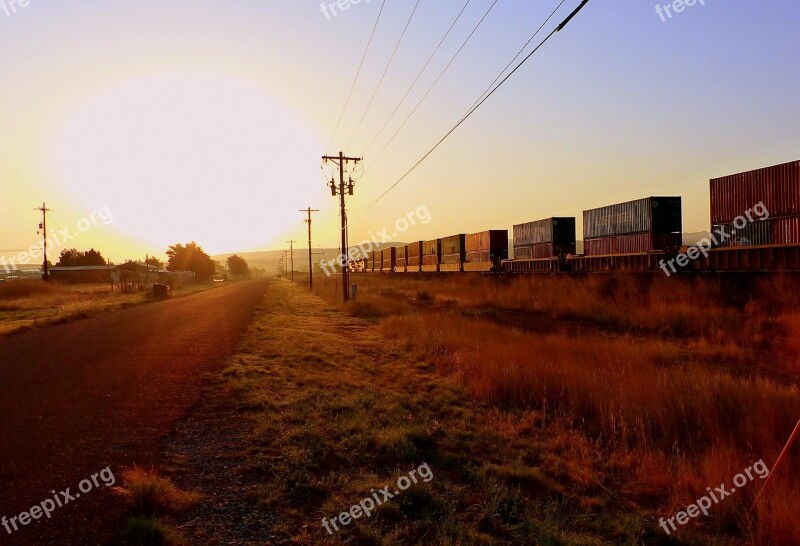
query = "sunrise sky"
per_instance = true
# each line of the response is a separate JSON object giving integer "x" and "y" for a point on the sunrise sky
{"x": 206, "y": 120}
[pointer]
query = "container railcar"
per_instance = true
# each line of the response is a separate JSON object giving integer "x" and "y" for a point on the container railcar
{"x": 644, "y": 225}
{"x": 400, "y": 261}
{"x": 431, "y": 255}
{"x": 388, "y": 258}
{"x": 414, "y": 257}
{"x": 453, "y": 252}
{"x": 636, "y": 236}
{"x": 486, "y": 250}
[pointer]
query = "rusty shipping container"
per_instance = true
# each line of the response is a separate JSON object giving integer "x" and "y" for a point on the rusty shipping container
{"x": 432, "y": 248}
{"x": 389, "y": 255}
{"x": 522, "y": 252}
{"x": 414, "y": 249}
{"x": 652, "y": 214}
{"x": 401, "y": 260}
{"x": 777, "y": 187}
{"x": 560, "y": 231}
{"x": 537, "y": 252}
{"x": 454, "y": 244}
{"x": 786, "y": 231}
{"x": 414, "y": 261}
{"x": 637, "y": 243}
{"x": 487, "y": 246}
{"x": 451, "y": 258}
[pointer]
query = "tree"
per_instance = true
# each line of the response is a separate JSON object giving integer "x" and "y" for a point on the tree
{"x": 155, "y": 262}
{"x": 71, "y": 257}
{"x": 190, "y": 257}
{"x": 238, "y": 266}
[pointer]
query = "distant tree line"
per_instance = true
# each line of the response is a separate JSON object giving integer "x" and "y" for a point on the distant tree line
{"x": 188, "y": 257}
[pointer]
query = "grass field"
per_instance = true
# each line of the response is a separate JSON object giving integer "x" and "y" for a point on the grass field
{"x": 30, "y": 304}
{"x": 685, "y": 383}
{"x": 550, "y": 411}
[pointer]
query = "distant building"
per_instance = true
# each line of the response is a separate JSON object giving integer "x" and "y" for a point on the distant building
{"x": 81, "y": 274}
{"x": 20, "y": 275}
{"x": 139, "y": 274}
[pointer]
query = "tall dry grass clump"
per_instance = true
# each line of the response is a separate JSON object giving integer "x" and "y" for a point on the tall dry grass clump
{"x": 639, "y": 392}
{"x": 632, "y": 397}
{"x": 27, "y": 288}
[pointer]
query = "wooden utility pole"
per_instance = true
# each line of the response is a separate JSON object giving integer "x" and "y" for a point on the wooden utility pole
{"x": 341, "y": 160}
{"x": 309, "y": 210}
{"x": 291, "y": 255}
{"x": 43, "y": 227}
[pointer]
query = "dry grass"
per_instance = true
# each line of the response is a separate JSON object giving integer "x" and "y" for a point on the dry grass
{"x": 669, "y": 386}
{"x": 154, "y": 500}
{"x": 151, "y": 494}
{"x": 331, "y": 409}
{"x": 10, "y": 291}
{"x": 30, "y": 304}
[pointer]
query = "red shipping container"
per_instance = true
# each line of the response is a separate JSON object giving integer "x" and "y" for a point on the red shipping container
{"x": 777, "y": 187}
{"x": 786, "y": 231}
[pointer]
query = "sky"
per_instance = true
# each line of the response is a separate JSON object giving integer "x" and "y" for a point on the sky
{"x": 206, "y": 120}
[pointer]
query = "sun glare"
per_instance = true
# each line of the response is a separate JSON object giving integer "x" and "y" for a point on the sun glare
{"x": 182, "y": 157}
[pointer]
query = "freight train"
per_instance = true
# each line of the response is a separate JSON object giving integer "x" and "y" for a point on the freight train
{"x": 644, "y": 235}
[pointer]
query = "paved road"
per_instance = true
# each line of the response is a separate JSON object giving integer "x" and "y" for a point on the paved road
{"x": 79, "y": 397}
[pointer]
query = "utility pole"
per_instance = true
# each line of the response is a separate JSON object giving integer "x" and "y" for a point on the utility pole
{"x": 43, "y": 227}
{"x": 342, "y": 160}
{"x": 309, "y": 210}
{"x": 291, "y": 255}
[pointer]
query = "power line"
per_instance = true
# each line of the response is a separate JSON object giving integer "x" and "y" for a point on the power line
{"x": 436, "y": 81}
{"x": 522, "y": 49}
{"x": 358, "y": 72}
{"x": 422, "y": 71}
{"x": 385, "y": 70}
{"x": 472, "y": 110}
